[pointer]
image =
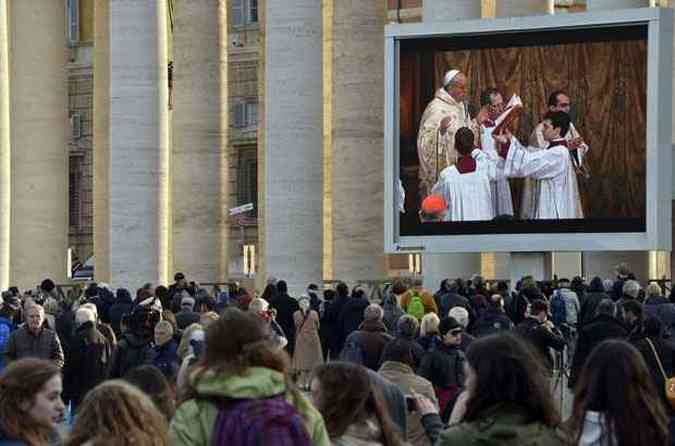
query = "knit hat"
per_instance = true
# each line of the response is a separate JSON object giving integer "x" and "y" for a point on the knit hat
{"x": 447, "y": 324}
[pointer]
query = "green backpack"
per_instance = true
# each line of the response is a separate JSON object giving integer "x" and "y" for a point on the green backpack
{"x": 416, "y": 307}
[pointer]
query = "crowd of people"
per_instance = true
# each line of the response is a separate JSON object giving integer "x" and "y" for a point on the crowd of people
{"x": 472, "y": 363}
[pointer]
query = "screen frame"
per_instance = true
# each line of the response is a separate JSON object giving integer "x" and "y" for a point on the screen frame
{"x": 659, "y": 187}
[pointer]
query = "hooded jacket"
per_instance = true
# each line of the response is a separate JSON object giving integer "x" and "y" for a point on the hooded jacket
{"x": 193, "y": 423}
{"x": 504, "y": 424}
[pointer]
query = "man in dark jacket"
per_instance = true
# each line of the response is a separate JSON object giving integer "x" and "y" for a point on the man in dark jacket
{"x": 135, "y": 348}
{"x": 407, "y": 329}
{"x": 123, "y": 305}
{"x": 352, "y": 314}
{"x": 604, "y": 326}
{"x": 89, "y": 360}
{"x": 365, "y": 345}
{"x": 33, "y": 340}
{"x": 443, "y": 365}
{"x": 331, "y": 320}
{"x": 540, "y": 332}
{"x": 285, "y": 306}
{"x": 187, "y": 314}
{"x": 493, "y": 319}
{"x": 594, "y": 294}
{"x": 448, "y": 298}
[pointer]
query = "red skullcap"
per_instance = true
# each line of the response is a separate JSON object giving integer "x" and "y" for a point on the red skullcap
{"x": 434, "y": 204}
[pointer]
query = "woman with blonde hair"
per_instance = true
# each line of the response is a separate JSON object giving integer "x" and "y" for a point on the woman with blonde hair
{"x": 30, "y": 402}
{"x": 428, "y": 330}
{"x": 118, "y": 410}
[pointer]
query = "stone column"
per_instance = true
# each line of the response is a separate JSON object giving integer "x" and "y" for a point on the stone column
{"x": 5, "y": 150}
{"x": 436, "y": 267}
{"x": 293, "y": 170}
{"x": 358, "y": 140}
{"x": 39, "y": 202}
{"x": 199, "y": 154}
{"x": 137, "y": 213}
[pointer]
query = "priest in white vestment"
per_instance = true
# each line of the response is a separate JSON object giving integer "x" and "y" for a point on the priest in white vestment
{"x": 465, "y": 186}
{"x": 493, "y": 102}
{"x": 556, "y": 197}
{"x": 558, "y": 101}
{"x": 443, "y": 116}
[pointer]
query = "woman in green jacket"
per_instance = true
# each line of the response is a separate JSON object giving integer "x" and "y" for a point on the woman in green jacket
{"x": 239, "y": 365}
{"x": 508, "y": 402}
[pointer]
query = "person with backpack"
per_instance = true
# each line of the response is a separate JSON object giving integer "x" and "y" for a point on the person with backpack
{"x": 135, "y": 348}
{"x": 417, "y": 301}
{"x": 240, "y": 392}
{"x": 493, "y": 319}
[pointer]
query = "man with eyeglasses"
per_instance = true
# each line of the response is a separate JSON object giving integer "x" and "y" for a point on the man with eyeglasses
{"x": 559, "y": 100}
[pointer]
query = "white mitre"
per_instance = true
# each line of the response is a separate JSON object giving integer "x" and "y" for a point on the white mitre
{"x": 449, "y": 76}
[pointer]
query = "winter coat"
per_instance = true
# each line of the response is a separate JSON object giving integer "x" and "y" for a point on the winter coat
{"x": 415, "y": 348}
{"x": 590, "y": 305}
{"x": 89, "y": 362}
{"x": 330, "y": 331}
{"x": 491, "y": 321}
{"x": 122, "y": 306}
{"x": 427, "y": 300}
{"x": 443, "y": 365}
{"x": 370, "y": 339}
{"x": 166, "y": 359}
{"x": 351, "y": 315}
{"x": 504, "y": 424}
{"x": 449, "y": 300}
{"x": 186, "y": 318}
{"x": 286, "y": 306}
{"x": 601, "y": 328}
{"x": 664, "y": 312}
{"x": 392, "y": 312}
{"x": 133, "y": 350}
{"x": 541, "y": 338}
{"x": 426, "y": 342}
{"x": 307, "y": 353}
{"x": 24, "y": 344}
{"x": 572, "y": 306}
{"x": 194, "y": 420}
{"x": 404, "y": 377}
{"x": 667, "y": 357}
{"x": 6, "y": 328}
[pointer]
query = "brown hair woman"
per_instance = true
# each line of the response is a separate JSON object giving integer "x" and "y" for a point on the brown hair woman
{"x": 30, "y": 402}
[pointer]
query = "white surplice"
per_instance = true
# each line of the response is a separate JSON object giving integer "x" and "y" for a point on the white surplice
{"x": 556, "y": 196}
{"x": 530, "y": 187}
{"x": 502, "y": 203}
{"x": 468, "y": 194}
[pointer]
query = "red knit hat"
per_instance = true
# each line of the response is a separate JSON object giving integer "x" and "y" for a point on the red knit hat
{"x": 434, "y": 204}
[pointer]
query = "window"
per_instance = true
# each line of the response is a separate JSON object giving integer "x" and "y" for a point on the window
{"x": 245, "y": 114}
{"x": 244, "y": 12}
{"x": 247, "y": 181}
{"x": 76, "y": 126}
{"x": 74, "y": 184}
{"x": 73, "y": 16}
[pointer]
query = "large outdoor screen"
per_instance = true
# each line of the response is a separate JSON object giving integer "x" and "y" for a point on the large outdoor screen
{"x": 533, "y": 132}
